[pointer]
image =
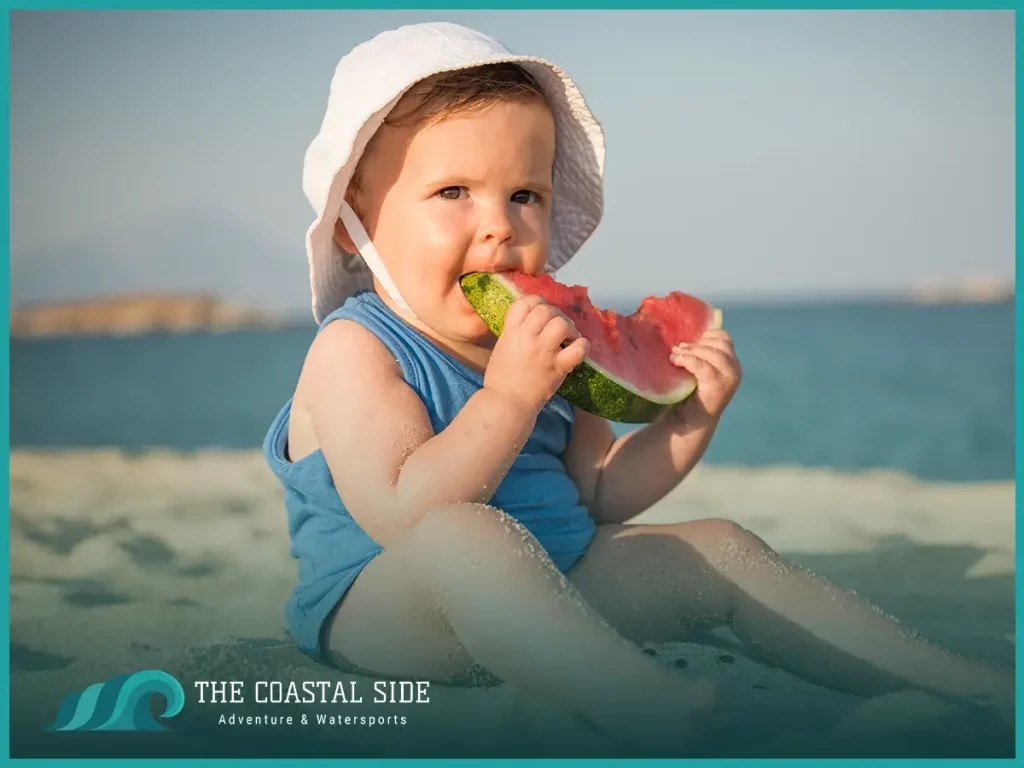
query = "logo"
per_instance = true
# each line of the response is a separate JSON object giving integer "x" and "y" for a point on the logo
{"x": 120, "y": 704}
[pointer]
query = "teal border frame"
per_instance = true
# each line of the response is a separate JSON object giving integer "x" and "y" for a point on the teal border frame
{"x": 5, "y": 384}
{"x": 511, "y": 5}
{"x": 450, "y": 5}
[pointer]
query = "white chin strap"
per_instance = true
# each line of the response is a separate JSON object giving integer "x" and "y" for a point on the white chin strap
{"x": 361, "y": 240}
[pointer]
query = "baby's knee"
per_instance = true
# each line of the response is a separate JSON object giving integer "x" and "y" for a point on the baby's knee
{"x": 468, "y": 540}
{"x": 721, "y": 529}
{"x": 467, "y": 524}
{"x": 726, "y": 542}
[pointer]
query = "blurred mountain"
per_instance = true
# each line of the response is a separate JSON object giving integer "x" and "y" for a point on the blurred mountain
{"x": 186, "y": 251}
{"x": 132, "y": 314}
{"x": 970, "y": 290}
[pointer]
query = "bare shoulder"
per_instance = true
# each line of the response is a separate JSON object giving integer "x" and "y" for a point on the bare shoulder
{"x": 353, "y": 403}
{"x": 328, "y": 381}
{"x": 347, "y": 375}
{"x": 339, "y": 352}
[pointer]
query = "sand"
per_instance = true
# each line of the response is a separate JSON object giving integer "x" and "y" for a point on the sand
{"x": 163, "y": 560}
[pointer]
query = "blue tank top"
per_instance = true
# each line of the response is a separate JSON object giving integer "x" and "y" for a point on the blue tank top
{"x": 330, "y": 546}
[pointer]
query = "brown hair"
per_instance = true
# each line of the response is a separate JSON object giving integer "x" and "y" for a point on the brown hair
{"x": 440, "y": 96}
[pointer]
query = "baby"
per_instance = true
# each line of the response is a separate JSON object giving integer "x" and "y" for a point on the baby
{"x": 455, "y": 520}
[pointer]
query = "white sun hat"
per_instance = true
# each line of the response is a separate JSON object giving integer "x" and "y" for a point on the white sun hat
{"x": 367, "y": 84}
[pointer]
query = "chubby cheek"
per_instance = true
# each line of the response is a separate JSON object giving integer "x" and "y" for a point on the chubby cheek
{"x": 534, "y": 263}
{"x": 442, "y": 233}
{"x": 430, "y": 268}
{"x": 436, "y": 284}
{"x": 474, "y": 330}
{"x": 462, "y": 319}
{"x": 460, "y": 307}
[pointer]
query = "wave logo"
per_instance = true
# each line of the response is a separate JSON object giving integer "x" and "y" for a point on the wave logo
{"x": 120, "y": 704}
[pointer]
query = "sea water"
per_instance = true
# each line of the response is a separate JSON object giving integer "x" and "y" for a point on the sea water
{"x": 926, "y": 390}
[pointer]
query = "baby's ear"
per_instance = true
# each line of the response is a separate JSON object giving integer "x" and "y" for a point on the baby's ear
{"x": 341, "y": 238}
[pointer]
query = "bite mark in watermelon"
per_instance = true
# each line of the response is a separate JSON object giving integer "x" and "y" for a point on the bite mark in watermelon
{"x": 627, "y": 376}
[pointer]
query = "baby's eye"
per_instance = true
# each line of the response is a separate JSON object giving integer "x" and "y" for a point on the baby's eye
{"x": 525, "y": 197}
{"x": 450, "y": 193}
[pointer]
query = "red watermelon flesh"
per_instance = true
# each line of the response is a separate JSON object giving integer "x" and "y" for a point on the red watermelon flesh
{"x": 633, "y": 349}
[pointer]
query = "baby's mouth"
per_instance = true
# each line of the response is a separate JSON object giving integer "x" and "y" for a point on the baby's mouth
{"x": 462, "y": 293}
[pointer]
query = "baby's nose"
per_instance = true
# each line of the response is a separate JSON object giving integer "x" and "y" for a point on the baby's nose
{"x": 497, "y": 227}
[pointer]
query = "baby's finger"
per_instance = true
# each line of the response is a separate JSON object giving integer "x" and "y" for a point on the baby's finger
{"x": 520, "y": 309}
{"x": 725, "y": 365}
{"x": 702, "y": 347}
{"x": 572, "y": 355}
{"x": 539, "y": 317}
{"x": 716, "y": 333}
{"x": 557, "y": 330}
{"x": 713, "y": 355}
{"x": 717, "y": 339}
{"x": 703, "y": 369}
{"x": 574, "y": 332}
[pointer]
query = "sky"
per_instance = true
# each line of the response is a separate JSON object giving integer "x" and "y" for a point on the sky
{"x": 752, "y": 155}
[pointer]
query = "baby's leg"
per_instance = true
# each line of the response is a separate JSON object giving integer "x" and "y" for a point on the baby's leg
{"x": 656, "y": 582}
{"x": 469, "y": 584}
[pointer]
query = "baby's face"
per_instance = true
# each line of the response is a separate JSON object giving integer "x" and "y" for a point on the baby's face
{"x": 470, "y": 193}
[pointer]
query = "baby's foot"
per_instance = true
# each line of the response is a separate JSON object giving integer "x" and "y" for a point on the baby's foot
{"x": 999, "y": 696}
{"x": 686, "y": 726}
{"x": 1002, "y": 706}
{"x": 893, "y": 713}
{"x": 925, "y": 724}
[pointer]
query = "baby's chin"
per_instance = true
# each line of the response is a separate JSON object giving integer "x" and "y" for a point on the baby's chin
{"x": 476, "y": 332}
{"x": 471, "y": 326}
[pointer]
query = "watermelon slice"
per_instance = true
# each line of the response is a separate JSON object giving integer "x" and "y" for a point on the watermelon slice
{"x": 627, "y": 377}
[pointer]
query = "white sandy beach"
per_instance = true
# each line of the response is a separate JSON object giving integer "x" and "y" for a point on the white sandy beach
{"x": 173, "y": 561}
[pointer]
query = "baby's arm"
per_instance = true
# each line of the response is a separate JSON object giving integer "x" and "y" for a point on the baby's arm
{"x": 619, "y": 479}
{"x": 387, "y": 464}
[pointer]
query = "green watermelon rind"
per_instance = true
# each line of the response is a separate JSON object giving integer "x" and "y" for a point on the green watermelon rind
{"x": 587, "y": 386}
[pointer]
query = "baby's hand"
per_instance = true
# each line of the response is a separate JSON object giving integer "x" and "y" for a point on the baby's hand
{"x": 528, "y": 363}
{"x": 713, "y": 363}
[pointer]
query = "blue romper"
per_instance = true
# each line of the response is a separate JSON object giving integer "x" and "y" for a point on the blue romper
{"x": 329, "y": 545}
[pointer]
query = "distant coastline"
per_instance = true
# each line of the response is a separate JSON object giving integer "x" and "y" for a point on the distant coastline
{"x": 978, "y": 290}
{"x": 137, "y": 314}
{"x": 143, "y": 313}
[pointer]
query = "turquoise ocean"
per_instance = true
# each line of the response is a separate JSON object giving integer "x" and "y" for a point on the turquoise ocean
{"x": 927, "y": 390}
